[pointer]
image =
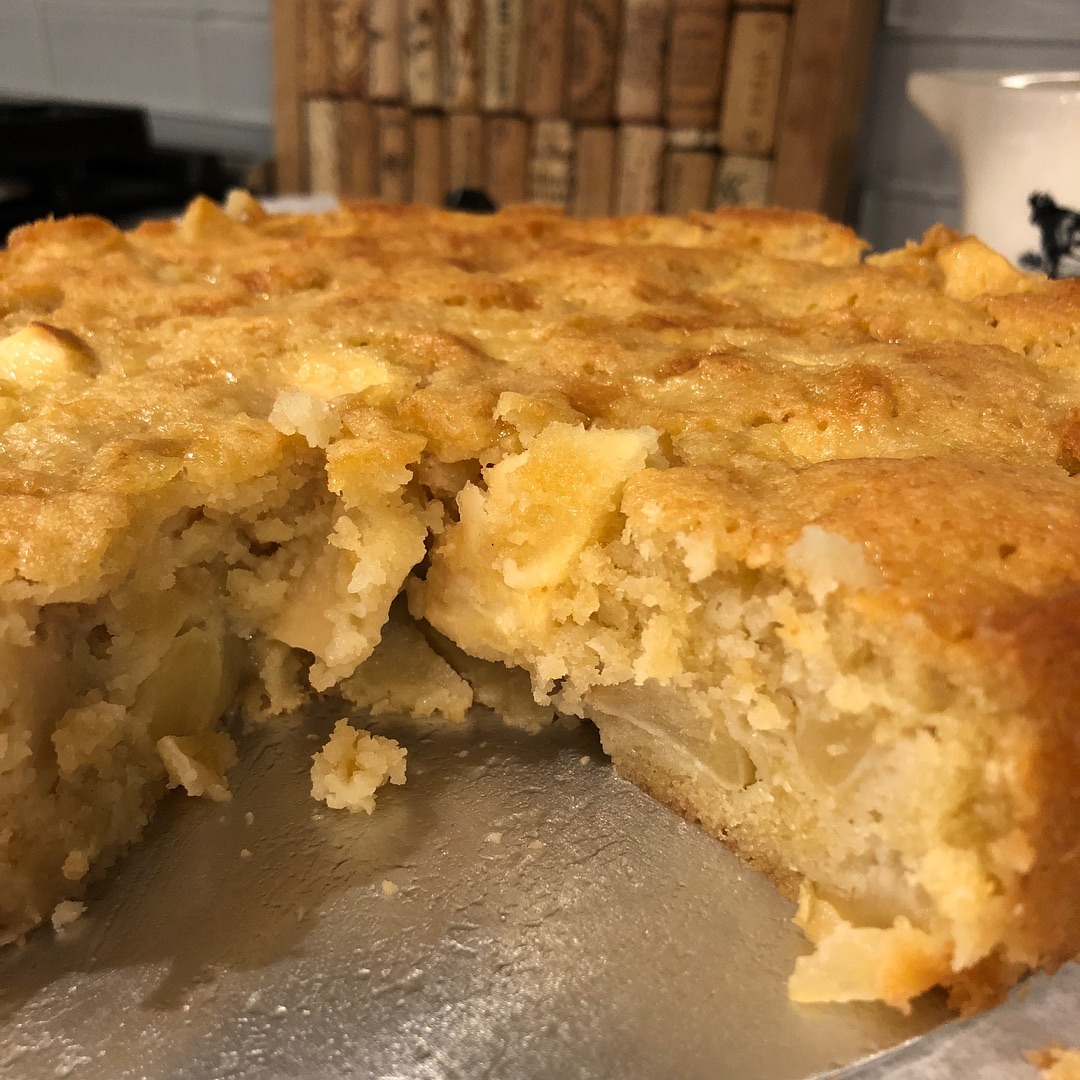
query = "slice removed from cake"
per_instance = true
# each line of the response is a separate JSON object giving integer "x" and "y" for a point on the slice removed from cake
{"x": 794, "y": 528}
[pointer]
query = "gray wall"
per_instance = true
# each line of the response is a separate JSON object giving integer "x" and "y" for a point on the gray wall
{"x": 906, "y": 178}
{"x": 202, "y": 67}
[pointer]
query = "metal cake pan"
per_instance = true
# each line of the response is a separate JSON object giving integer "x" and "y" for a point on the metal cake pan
{"x": 515, "y": 910}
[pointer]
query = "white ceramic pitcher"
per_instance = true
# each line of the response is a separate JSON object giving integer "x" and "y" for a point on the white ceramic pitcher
{"x": 1017, "y": 136}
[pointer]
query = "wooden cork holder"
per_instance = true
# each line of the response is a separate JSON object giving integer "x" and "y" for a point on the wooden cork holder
{"x": 598, "y": 106}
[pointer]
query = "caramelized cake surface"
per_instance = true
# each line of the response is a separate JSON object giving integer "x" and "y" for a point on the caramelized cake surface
{"x": 795, "y": 529}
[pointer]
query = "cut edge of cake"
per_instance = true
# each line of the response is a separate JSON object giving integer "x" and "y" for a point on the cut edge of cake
{"x": 905, "y": 775}
{"x": 908, "y": 783}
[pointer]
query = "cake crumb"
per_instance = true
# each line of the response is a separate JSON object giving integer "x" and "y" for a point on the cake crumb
{"x": 389, "y": 888}
{"x": 534, "y": 844}
{"x": 76, "y": 866}
{"x": 353, "y": 765}
{"x": 198, "y": 763}
{"x": 584, "y": 759}
{"x": 493, "y": 838}
{"x": 249, "y": 818}
{"x": 65, "y": 913}
{"x": 1056, "y": 1062}
{"x": 245, "y": 853}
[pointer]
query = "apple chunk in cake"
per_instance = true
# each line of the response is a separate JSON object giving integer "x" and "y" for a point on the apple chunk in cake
{"x": 795, "y": 529}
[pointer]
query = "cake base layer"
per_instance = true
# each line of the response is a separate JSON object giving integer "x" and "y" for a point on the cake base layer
{"x": 797, "y": 529}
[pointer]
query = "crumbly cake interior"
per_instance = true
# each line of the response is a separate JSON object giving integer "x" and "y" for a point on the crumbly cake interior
{"x": 795, "y": 529}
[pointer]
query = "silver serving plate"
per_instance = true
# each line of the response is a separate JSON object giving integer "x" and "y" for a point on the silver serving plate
{"x": 514, "y": 911}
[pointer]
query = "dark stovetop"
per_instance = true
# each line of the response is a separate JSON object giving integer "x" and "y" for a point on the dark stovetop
{"x": 60, "y": 158}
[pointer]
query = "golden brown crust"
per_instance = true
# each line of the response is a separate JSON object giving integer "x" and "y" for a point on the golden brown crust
{"x": 1041, "y": 636}
{"x": 920, "y": 407}
{"x": 190, "y": 324}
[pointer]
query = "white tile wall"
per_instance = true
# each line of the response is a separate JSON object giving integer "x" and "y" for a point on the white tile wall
{"x": 111, "y": 55}
{"x": 24, "y": 54}
{"x": 1004, "y": 20}
{"x": 201, "y": 67}
{"x": 906, "y": 175}
{"x": 235, "y": 64}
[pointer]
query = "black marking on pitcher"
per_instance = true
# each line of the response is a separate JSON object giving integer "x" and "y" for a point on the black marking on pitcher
{"x": 1059, "y": 238}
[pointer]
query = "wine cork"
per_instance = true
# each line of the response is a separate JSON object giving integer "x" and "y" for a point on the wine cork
{"x": 290, "y": 121}
{"x": 594, "y": 172}
{"x": 464, "y": 151}
{"x": 507, "y": 152}
{"x": 461, "y": 74}
{"x": 504, "y": 23}
{"x": 688, "y": 180}
{"x": 752, "y": 86}
{"x": 393, "y": 153}
{"x": 742, "y": 181}
{"x": 642, "y": 43}
{"x": 428, "y": 159}
{"x": 348, "y": 34}
{"x": 594, "y": 44}
{"x": 421, "y": 44}
{"x": 317, "y": 49}
{"x": 324, "y": 146}
{"x": 638, "y": 169}
{"x": 547, "y": 35}
{"x": 695, "y": 62}
{"x": 549, "y": 166}
{"x": 385, "y": 47}
{"x": 357, "y": 149}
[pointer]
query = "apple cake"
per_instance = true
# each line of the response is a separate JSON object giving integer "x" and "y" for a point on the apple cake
{"x": 797, "y": 529}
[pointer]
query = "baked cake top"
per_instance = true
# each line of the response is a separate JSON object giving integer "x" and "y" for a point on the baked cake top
{"x": 797, "y": 529}
{"x": 793, "y": 381}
